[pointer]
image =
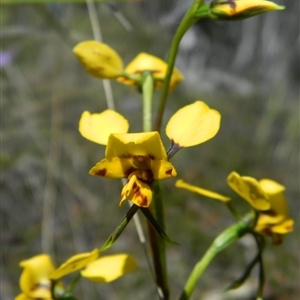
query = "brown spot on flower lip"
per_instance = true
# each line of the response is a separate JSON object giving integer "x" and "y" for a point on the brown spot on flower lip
{"x": 169, "y": 172}
{"x": 144, "y": 201}
{"x": 101, "y": 172}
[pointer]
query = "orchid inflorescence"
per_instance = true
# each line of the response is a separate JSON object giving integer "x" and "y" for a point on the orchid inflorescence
{"x": 141, "y": 160}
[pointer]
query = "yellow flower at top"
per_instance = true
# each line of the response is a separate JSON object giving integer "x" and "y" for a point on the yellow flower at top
{"x": 146, "y": 62}
{"x": 101, "y": 61}
{"x": 141, "y": 157}
{"x": 240, "y": 9}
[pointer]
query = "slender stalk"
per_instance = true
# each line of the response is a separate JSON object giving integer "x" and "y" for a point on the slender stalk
{"x": 226, "y": 238}
{"x": 147, "y": 89}
{"x": 188, "y": 20}
{"x": 233, "y": 210}
{"x": 156, "y": 243}
{"x": 261, "y": 276}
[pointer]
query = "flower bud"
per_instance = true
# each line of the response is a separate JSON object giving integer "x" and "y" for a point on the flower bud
{"x": 99, "y": 60}
{"x": 240, "y": 9}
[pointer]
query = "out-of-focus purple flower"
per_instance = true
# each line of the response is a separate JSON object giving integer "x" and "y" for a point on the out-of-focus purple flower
{"x": 6, "y": 57}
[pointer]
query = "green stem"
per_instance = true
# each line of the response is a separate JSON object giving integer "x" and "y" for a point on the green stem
{"x": 147, "y": 88}
{"x": 73, "y": 283}
{"x": 188, "y": 20}
{"x": 261, "y": 282}
{"x": 156, "y": 243}
{"x": 233, "y": 210}
{"x": 226, "y": 238}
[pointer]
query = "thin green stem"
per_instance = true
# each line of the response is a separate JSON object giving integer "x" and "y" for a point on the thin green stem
{"x": 226, "y": 238}
{"x": 73, "y": 283}
{"x": 156, "y": 243}
{"x": 233, "y": 210}
{"x": 147, "y": 89}
{"x": 261, "y": 282}
{"x": 188, "y": 20}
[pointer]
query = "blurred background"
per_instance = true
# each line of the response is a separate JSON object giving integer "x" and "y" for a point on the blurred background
{"x": 247, "y": 70}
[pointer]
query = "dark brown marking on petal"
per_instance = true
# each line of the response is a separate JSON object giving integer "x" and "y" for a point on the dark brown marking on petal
{"x": 270, "y": 212}
{"x": 151, "y": 156}
{"x": 169, "y": 172}
{"x": 101, "y": 172}
{"x": 144, "y": 201}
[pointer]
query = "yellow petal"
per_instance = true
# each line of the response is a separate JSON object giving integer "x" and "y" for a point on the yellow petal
{"x": 193, "y": 124}
{"x": 36, "y": 271}
{"x": 249, "y": 189}
{"x": 112, "y": 168}
{"x": 271, "y": 187}
{"x": 98, "y": 59}
{"x": 181, "y": 184}
{"x": 75, "y": 263}
{"x": 162, "y": 169}
{"x": 98, "y": 127}
{"x": 22, "y": 297}
{"x": 146, "y": 62}
{"x": 241, "y": 9}
{"x": 128, "y": 145}
{"x": 271, "y": 218}
{"x": 137, "y": 192}
{"x": 109, "y": 268}
{"x": 279, "y": 205}
{"x": 284, "y": 227}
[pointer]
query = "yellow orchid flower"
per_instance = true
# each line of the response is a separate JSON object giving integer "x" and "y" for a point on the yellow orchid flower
{"x": 39, "y": 272}
{"x": 98, "y": 59}
{"x": 141, "y": 158}
{"x": 146, "y": 62}
{"x": 267, "y": 197}
{"x": 109, "y": 268}
{"x": 240, "y": 9}
{"x": 101, "y": 61}
{"x": 276, "y": 221}
{"x": 34, "y": 281}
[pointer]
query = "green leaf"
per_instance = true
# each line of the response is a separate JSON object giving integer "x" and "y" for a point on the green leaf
{"x": 156, "y": 226}
{"x": 117, "y": 232}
